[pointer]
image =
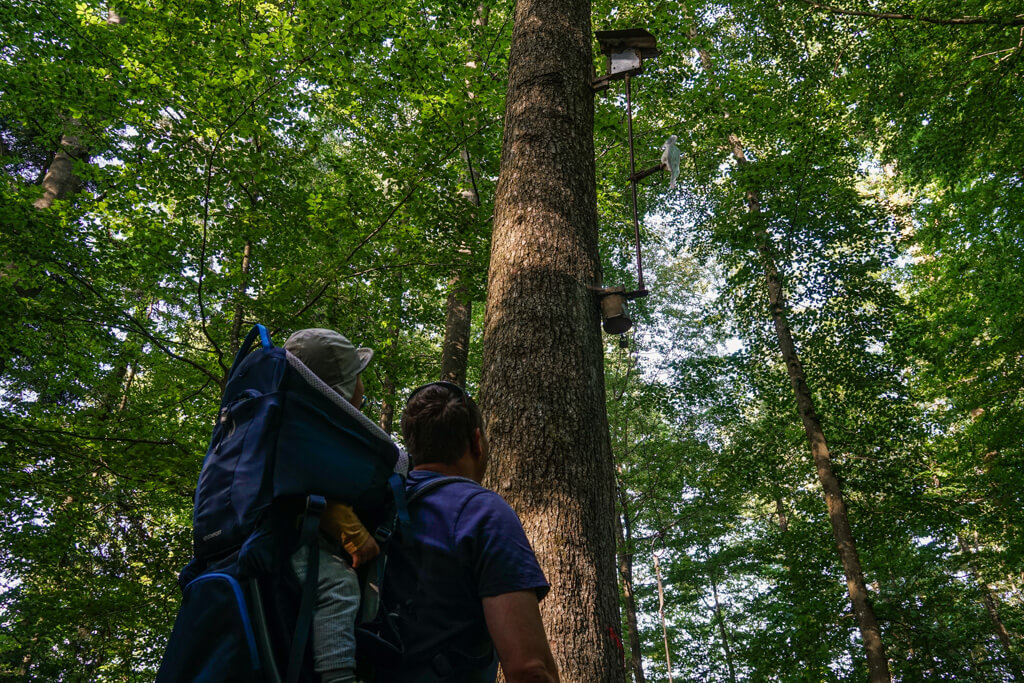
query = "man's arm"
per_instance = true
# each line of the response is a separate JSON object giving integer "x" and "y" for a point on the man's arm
{"x": 513, "y": 620}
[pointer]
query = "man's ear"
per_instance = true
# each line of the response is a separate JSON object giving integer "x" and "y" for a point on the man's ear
{"x": 475, "y": 446}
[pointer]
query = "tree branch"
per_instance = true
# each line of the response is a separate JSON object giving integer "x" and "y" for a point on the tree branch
{"x": 1017, "y": 20}
{"x": 274, "y": 83}
{"x": 134, "y": 325}
{"x": 373, "y": 233}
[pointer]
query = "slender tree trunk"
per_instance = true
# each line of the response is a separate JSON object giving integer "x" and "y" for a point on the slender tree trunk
{"x": 542, "y": 387}
{"x": 459, "y": 309}
{"x": 386, "y": 368}
{"x": 1004, "y": 636}
{"x": 388, "y": 384}
{"x": 60, "y": 181}
{"x": 991, "y": 608}
{"x": 878, "y": 665}
{"x": 720, "y": 618}
{"x": 240, "y": 298}
{"x": 387, "y": 409}
{"x": 470, "y": 192}
{"x": 625, "y": 529}
{"x": 483, "y": 13}
{"x": 781, "y": 516}
{"x": 129, "y": 373}
{"x": 661, "y": 615}
{"x": 113, "y": 16}
{"x": 455, "y": 351}
{"x": 25, "y": 666}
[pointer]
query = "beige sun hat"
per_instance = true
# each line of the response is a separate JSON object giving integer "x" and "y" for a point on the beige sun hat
{"x": 331, "y": 356}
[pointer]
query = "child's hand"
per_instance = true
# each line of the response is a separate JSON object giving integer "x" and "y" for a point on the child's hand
{"x": 364, "y": 553}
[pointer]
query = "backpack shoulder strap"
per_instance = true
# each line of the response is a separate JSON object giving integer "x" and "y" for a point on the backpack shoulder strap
{"x": 400, "y": 520}
{"x": 403, "y": 523}
{"x": 243, "y": 350}
{"x": 435, "y": 484}
{"x": 308, "y": 538}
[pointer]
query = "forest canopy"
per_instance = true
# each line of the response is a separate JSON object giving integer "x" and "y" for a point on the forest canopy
{"x": 175, "y": 172}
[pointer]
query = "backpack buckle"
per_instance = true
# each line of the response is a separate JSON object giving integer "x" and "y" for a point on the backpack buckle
{"x": 383, "y": 534}
{"x": 441, "y": 665}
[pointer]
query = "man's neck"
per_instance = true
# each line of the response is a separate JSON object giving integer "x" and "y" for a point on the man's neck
{"x": 462, "y": 468}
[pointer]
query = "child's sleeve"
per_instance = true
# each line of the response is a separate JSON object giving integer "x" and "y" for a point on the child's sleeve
{"x": 339, "y": 521}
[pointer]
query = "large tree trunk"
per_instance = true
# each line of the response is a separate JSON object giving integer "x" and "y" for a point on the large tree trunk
{"x": 878, "y": 665}
{"x": 542, "y": 387}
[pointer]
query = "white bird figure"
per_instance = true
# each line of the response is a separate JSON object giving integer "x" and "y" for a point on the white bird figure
{"x": 670, "y": 159}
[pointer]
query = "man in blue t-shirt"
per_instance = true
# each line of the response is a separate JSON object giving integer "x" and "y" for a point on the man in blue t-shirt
{"x": 466, "y": 586}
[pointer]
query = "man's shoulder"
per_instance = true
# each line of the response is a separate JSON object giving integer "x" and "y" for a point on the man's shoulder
{"x": 456, "y": 494}
{"x": 485, "y": 531}
{"x": 421, "y": 483}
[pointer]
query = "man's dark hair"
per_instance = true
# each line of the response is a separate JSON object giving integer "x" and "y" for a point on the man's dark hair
{"x": 437, "y": 423}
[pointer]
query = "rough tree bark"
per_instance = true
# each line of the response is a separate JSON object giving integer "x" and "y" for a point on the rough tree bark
{"x": 542, "y": 388}
{"x": 871, "y": 635}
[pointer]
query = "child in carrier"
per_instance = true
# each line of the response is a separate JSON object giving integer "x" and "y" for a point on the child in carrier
{"x": 336, "y": 361}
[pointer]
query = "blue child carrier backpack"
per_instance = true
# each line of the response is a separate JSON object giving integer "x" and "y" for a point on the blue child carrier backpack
{"x": 284, "y": 442}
